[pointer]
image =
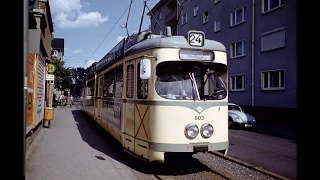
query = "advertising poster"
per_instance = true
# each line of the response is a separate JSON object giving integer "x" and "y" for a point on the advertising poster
{"x": 112, "y": 113}
{"x": 40, "y": 90}
{"x": 30, "y": 92}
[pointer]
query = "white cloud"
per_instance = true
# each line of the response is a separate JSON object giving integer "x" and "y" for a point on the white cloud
{"x": 69, "y": 14}
{"x": 90, "y": 62}
{"x": 77, "y": 51}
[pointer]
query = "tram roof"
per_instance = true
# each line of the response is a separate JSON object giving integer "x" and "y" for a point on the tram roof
{"x": 157, "y": 41}
{"x": 146, "y": 41}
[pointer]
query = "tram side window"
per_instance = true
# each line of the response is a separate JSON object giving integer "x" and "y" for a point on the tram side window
{"x": 108, "y": 86}
{"x": 214, "y": 85}
{"x": 130, "y": 80}
{"x": 90, "y": 86}
{"x": 142, "y": 85}
{"x": 119, "y": 81}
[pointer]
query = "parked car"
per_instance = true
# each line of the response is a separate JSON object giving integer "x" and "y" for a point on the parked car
{"x": 237, "y": 117}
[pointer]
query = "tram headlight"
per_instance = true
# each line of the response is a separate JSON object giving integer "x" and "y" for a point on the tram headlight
{"x": 191, "y": 131}
{"x": 206, "y": 130}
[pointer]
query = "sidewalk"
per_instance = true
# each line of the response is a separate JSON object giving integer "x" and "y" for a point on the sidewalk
{"x": 61, "y": 152}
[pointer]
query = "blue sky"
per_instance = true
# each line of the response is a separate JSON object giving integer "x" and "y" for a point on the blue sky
{"x": 90, "y": 28}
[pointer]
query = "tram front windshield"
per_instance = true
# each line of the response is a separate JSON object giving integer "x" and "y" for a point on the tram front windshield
{"x": 191, "y": 80}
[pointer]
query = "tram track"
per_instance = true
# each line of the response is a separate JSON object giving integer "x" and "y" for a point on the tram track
{"x": 249, "y": 166}
{"x": 236, "y": 170}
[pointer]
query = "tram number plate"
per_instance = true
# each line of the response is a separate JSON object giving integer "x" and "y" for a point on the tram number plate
{"x": 199, "y": 118}
{"x": 200, "y": 148}
{"x": 196, "y": 38}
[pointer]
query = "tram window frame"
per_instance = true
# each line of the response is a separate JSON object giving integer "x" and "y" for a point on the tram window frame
{"x": 130, "y": 82}
{"x": 96, "y": 87}
{"x": 108, "y": 82}
{"x": 140, "y": 84}
{"x": 90, "y": 87}
{"x": 118, "y": 79}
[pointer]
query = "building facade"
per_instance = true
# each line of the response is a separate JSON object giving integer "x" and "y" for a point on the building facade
{"x": 58, "y": 48}
{"x": 40, "y": 35}
{"x": 261, "y": 39}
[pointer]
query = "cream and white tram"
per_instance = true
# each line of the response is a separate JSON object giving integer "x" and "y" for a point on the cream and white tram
{"x": 162, "y": 95}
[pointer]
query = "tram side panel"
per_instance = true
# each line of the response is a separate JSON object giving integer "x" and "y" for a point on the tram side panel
{"x": 142, "y": 114}
{"x": 129, "y": 106}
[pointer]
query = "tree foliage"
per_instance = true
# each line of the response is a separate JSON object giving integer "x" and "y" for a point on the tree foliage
{"x": 63, "y": 78}
{"x": 67, "y": 78}
{"x": 78, "y": 74}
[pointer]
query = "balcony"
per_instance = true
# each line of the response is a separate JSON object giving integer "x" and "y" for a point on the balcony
{"x": 171, "y": 18}
{"x": 172, "y": 4}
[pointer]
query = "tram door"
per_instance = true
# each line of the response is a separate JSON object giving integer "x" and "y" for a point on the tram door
{"x": 128, "y": 115}
{"x": 100, "y": 94}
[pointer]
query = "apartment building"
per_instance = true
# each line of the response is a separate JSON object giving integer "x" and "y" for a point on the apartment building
{"x": 261, "y": 39}
{"x": 58, "y": 48}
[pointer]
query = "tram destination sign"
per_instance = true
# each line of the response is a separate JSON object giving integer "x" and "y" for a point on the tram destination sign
{"x": 196, "y": 55}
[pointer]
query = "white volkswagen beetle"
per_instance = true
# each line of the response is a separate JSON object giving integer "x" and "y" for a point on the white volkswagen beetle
{"x": 237, "y": 117}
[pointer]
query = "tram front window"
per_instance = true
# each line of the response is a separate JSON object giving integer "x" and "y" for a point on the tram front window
{"x": 191, "y": 80}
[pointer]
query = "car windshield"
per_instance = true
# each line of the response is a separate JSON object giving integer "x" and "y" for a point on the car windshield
{"x": 196, "y": 81}
{"x": 234, "y": 107}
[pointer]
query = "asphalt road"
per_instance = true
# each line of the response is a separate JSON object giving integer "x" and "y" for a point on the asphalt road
{"x": 274, "y": 154}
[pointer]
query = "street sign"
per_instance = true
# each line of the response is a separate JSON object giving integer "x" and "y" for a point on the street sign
{"x": 50, "y": 77}
{"x": 51, "y": 68}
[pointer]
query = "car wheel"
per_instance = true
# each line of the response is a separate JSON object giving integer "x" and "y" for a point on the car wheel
{"x": 230, "y": 122}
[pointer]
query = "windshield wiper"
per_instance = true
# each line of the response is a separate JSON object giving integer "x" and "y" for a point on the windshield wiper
{"x": 195, "y": 87}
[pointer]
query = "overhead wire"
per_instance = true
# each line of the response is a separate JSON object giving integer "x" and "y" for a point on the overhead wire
{"x": 108, "y": 33}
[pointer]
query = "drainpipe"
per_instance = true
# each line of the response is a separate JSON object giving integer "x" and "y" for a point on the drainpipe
{"x": 25, "y": 74}
{"x": 252, "y": 56}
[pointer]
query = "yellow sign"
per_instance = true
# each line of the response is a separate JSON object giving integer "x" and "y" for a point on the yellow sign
{"x": 51, "y": 68}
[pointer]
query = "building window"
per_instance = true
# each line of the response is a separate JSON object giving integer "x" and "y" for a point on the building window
{"x": 217, "y": 25}
{"x": 268, "y": 5}
{"x": 274, "y": 39}
{"x": 216, "y": 1}
{"x": 55, "y": 52}
{"x": 238, "y": 49}
{"x": 184, "y": 18}
{"x": 237, "y": 82}
{"x": 238, "y": 16}
{"x": 195, "y": 11}
{"x": 272, "y": 80}
{"x": 205, "y": 17}
{"x": 160, "y": 14}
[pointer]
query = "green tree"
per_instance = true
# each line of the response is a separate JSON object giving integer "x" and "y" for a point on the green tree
{"x": 77, "y": 75}
{"x": 63, "y": 75}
